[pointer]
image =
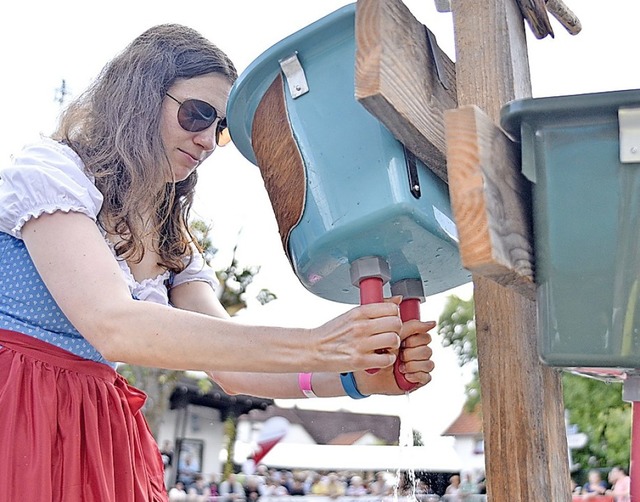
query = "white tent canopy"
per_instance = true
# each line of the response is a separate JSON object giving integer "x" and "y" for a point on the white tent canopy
{"x": 440, "y": 457}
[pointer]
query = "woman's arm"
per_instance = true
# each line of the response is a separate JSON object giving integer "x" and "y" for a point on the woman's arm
{"x": 416, "y": 354}
{"x": 86, "y": 282}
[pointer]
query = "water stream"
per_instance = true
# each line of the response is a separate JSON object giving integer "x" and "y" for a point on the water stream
{"x": 406, "y": 442}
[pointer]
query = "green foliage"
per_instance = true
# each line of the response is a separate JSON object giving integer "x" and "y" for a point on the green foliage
{"x": 598, "y": 410}
{"x": 417, "y": 438}
{"x": 234, "y": 281}
{"x": 594, "y": 406}
{"x": 231, "y": 433}
{"x": 457, "y": 327}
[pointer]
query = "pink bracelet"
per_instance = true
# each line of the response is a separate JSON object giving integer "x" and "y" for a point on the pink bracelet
{"x": 304, "y": 382}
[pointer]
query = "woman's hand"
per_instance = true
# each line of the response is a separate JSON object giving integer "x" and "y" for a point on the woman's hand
{"x": 416, "y": 364}
{"x": 368, "y": 336}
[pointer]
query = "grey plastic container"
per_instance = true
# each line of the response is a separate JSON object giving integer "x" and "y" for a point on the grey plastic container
{"x": 586, "y": 207}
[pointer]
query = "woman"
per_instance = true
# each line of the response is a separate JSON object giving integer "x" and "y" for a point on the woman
{"x": 97, "y": 265}
{"x": 621, "y": 484}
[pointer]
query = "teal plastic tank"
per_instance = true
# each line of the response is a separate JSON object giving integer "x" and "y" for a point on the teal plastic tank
{"x": 583, "y": 154}
{"x": 360, "y": 198}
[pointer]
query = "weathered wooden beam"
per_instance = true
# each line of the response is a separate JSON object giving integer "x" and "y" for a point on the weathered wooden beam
{"x": 490, "y": 196}
{"x": 523, "y": 412}
{"x": 403, "y": 79}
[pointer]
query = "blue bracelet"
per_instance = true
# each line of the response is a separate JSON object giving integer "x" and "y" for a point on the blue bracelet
{"x": 349, "y": 385}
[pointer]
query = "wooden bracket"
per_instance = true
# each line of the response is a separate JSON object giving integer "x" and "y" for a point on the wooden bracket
{"x": 491, "y": 200}
{"x": 404, "y": 79}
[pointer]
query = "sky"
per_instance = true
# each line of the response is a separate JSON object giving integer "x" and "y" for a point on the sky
{"x": 44, "y": 42}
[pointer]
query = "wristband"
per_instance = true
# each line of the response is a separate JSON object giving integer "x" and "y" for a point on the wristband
{"x": 349, "y": 385}
{"x": 304, "y": 382}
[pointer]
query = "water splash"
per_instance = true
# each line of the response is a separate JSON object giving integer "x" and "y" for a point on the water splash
{"x": 406, "y": 442}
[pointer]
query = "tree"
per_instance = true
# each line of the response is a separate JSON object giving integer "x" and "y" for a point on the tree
{"x": 457, "y": 327}
{"x": 596, "y": 407}
{"x": 158, "y": 383}
{"x": 598, "y": 410}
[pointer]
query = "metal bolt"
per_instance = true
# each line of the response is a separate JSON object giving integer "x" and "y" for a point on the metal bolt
{"x": 634, "y": 150}
{"x": 298, "y": 87}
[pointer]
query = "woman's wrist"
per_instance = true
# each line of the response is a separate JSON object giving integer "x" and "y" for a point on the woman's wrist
{"x": 350, "y": 386}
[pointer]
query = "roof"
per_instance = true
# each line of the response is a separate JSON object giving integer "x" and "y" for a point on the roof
{"x": 187, "y": 391}
{"x": 326, "y": 426}
{"x": 468, "y": 423}
{"x": 348, "y": 438}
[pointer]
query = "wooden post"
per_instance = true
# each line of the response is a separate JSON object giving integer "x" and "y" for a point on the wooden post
{"x": 490, "y": 199}
{"x": 404, "y": 79}
{"x": 523, "y": 412}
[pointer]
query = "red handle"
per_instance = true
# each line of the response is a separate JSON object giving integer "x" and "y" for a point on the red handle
{"x": 371, "y": 292}
{"x": 409, "y": 309}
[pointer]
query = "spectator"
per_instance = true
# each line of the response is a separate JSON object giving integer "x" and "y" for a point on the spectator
{"x": 356, "y": 487}
{"x": 188, "y": 468}
{"x": 231, "y": 490}
{"x": 198, "y": 491}
{"x": 452, "y": 493}
{"x": 167, "y": 454}
{"x": 379, "y": 487}
{"x": 594, "y": 486}
{"x": 335, "y": 487}
{"x": 252, "y": 490}
{"x": 297, "y": 486}
{"x": 621, "y": 489}
{"x": 468, "y": 487}
{"x": 177, "y": 493}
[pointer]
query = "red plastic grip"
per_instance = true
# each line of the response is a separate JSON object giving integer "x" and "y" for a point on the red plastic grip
{"x": 371, "y": 292}
{"x": 409, "y": 309}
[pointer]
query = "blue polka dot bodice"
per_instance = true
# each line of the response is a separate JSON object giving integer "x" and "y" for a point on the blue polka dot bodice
{"x": 27, "y": 306}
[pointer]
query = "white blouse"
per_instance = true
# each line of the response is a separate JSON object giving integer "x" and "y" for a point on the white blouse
{"x": 49, "y": 176}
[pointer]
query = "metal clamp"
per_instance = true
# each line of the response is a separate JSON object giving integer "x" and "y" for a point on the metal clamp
{"x": 369, "y": 266}
{"x": 409, "y": 289}
{"x": 294, "y": 75}
{"x": 629, "y": 123}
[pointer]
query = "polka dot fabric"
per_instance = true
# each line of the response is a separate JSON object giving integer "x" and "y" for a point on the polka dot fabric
{"x": 28, "y": 307}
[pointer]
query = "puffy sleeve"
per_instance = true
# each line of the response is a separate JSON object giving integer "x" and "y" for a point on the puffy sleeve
{"x": 197, "y": 270}
{"x": 44, "y": 178}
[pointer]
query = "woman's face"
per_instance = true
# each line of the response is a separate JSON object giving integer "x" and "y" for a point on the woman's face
{"x": 187, "y": 150}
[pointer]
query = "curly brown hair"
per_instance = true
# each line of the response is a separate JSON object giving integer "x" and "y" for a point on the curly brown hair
{"x": 114, "y": 128}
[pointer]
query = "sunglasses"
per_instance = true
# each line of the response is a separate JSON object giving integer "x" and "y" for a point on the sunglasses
{"x": 195, "y": 115}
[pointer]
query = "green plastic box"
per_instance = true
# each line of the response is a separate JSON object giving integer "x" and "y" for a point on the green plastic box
{"x": 583, "y": 154}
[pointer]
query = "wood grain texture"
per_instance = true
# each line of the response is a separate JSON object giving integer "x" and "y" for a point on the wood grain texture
{"x": 490, "y": 196}
{"x": 279, "y": 159}
{"x": 565, "y": 16}
{"x": 523, "y": 412}
{"x": 397, "y": 79}
{"x": 535, "y": 13}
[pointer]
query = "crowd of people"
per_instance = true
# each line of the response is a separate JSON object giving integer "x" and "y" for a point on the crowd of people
{"x": 618, "y": 485}
{"x": 275, "y": 483}
{"x": 278, "y": 483}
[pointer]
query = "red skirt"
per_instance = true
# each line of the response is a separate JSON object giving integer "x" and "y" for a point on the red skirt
{"x": 71, "y": 429}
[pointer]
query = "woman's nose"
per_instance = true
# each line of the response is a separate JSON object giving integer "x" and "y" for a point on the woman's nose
{"x": 207, "y": 139}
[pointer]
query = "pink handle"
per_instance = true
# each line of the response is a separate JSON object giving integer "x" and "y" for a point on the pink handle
{"x": 634, "y": 471}
{"x": 409, "y": 309}
{"x": 371, "y": 292}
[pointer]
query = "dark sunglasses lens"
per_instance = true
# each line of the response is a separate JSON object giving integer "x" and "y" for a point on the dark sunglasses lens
{"x": 195, "y": 115}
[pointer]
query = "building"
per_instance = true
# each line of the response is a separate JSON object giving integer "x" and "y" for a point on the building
{"x": 466, "y": 429}
{"x": 193, "y": 428}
